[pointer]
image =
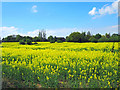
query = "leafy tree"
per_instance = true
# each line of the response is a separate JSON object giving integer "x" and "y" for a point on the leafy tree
{"x": 67, "y": 39}
{"x": 107, "y": 35}
{"x": 103, "y": 39}
{"x": 88, "y": 33}
{"x": 75, "y": 37}
{"x": 35, "y": 39}
{"x": 59, "y": 41}
{"x": 55, "y": 38}
{"x": 92, "y": 39}
{"x": 21, "y": 42}
{"x": 98, "y": 36}
{"x": 40, "y": 36}
{"x": 29, "y": 42}
{"x": 18, "y": 38}
{"x": 51, "y": 39}
{"x": 113, "y": 39}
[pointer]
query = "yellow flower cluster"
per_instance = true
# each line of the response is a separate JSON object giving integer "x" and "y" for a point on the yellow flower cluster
{"x": 52, "y": 62}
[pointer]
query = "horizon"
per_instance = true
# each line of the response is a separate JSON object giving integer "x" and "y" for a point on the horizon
{"x": 58, "y": 18}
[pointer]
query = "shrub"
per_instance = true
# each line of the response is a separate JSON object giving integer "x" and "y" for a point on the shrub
{"x": 59, "y": 41}
{"x": 29, "y": 42}
{"x": 21, "y": 42}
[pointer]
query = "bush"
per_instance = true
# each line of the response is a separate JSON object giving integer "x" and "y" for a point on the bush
{"x": 92, "y": 39}
{"x": 29, "y": 42}
{"x": 21, "y": 42}
{"x": 59, "y": 41}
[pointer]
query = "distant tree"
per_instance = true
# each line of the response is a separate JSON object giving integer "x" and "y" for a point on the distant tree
{"x": 114, "y": 35}
{"x": 55, "y": 38}
{"x": 59, "y": 41}
{"x": 40, "y": 36}
{"x": 51, "y": 39}
{"x": 107, "y": 35}
{"x": 21, "y": 42}
{"x": 88, "y": 33}
{"x": 92, "y": 39}
{"x": 98, "y": 36}
{"x": 75, "y": 37}
{"x": 44, "y": 35}
{"x": 103, "y": 39}
{"x": 18, "y": 37}
{"x": 29, "y": 42}
{"x": 35, "y": 39}
{"x": 67, "y": 39}
{"x": 113, "y": 39}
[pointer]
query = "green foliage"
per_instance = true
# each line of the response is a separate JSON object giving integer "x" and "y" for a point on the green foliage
{"x": 113, "y": 39}
{"x": 51, "y": 39}
{"x": 92, "y": 39}
{"x": 59, "y": 41}
{"x": 75, "y": 37}
{"x": 29, "y": 42}
{"x": 98, "y": 36}
{"x": 21, "y": 42}
{"x": 103, "y": 39}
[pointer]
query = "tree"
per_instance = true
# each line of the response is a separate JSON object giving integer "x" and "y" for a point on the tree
{"x": 92, "y": 39}
{"x": 67, "y": 39}
{"x": 75, "y": 37}
{"x": 18, "y": 37}
{"x": 29, "y": 42}
{"x": 88, "y": 33}
{"x": 44, "y": 35}
{"x": 21, "y": 42}
{"x": 98, "y": 36}
{"x": 35, "y": 39}
{"x": 59, "y": 41}
{"x": 107, "y": 35}
{"x": 55, "y": 38}
{"x": 103, "y": 39}
{"x": 113, "y": 39}
{"x": 51, "y": 39}
{"x": 40, "y": 36}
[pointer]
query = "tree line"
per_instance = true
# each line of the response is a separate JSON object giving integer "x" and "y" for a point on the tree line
{"x": 73, "y": 37}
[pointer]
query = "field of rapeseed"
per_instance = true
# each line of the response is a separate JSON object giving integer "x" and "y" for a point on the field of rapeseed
{"x": 70, "y": 65}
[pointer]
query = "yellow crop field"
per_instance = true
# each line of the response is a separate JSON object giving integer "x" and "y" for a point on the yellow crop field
{"x": 68, "y": 64}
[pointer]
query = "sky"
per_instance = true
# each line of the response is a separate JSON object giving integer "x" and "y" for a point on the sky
{"x": 58, "y": 18}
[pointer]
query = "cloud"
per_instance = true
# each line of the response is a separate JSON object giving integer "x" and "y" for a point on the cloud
{"x": 93, "y": 11}
{"x": 34, "y": 10}
{"x": 60, "y": 32}
{"x": 5, "y": 31}
{"x": 106, "y": 9}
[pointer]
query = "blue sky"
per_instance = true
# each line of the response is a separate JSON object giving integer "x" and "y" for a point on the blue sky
{"x": 58, "y": 18}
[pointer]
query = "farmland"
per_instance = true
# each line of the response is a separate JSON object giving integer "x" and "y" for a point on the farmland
{"x": 69, "y": 65}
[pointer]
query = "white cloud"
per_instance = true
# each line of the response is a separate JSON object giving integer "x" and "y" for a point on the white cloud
{"x": 106, "y": 9}
{"x": 93, "y": 11}
{"x": 34, "y": 9}
{"x": 5, "y": 31}
{"x": 61, "y": 32}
